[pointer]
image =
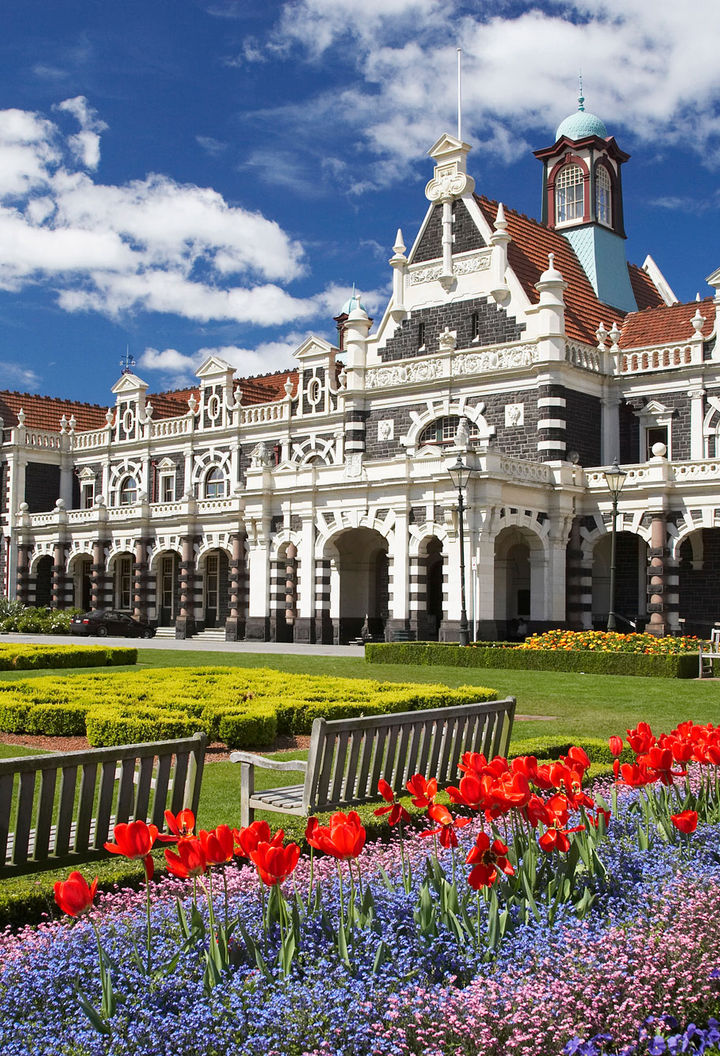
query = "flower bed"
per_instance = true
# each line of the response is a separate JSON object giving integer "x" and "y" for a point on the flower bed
{"x": 244, "y": 708}
{"x": 561, "y": 937}
{"x": 613, "y": 642}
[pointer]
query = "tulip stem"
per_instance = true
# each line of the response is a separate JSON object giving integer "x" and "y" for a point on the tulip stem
{"x": 310, "y": 881}
{"x": 149, "y": 926}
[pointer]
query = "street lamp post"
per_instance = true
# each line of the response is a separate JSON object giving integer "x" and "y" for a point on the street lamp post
{"x": 614, "y": 478}
{"x": 459, "y": 474}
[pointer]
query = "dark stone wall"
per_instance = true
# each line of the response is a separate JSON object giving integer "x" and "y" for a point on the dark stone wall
{"x": 495, "y": 326}
{"x": 679, "y": 403}
{"x": 42, "y": 486}
{"x": 583, "y": 415}
{"x": 629, "y": 434}
{"x": 465, "y": 234}
{"x": 388, "y": 448}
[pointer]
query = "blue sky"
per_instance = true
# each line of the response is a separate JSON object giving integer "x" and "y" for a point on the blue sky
{"x": 187, "y": 176}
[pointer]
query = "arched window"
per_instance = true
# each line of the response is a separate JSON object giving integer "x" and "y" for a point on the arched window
{"x": 444, "y": 430}
{"x": 128, "y": 491}
{"x": 215, "y": 484}
{"x": 603, "y": 200}
{"x": 569, "y": 194}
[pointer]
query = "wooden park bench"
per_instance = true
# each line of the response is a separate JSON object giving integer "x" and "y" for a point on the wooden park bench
{"x": 707, "y": 656}
{"x": 348, "y": 757}
{"x": 60, "y": 808}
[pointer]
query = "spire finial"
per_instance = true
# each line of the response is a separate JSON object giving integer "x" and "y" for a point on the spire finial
{"x": 581, "y": 97}
{"x": 127, "y": 362}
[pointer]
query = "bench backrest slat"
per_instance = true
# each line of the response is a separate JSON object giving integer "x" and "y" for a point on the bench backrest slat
{"x": 26, "y": 794}
{"x": 7, "y": 783}
{"x": 68, "y": 784}
{"x": 115, "y": 785}
{"x": 349, "y": 756}
{"x": 43, "y": 821}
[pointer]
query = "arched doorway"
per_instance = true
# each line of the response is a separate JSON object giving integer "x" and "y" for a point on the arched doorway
{"x": 81, "y": 571}
{"x": 215, "y": 588}
{"x": 699, "y": 581}
{"x": 123, "y": 570}
{"x": 43, "y": 582}
{"x": 519, "y": 588}
{"x": 631, "y": 562}
{"x": 167, "y": 588}
{"x": 427, "y": 595}
{"x": 362, "y": 583}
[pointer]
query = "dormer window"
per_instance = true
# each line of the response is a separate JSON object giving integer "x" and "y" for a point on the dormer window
{"x": 569, "y": 195}
{"x": 603, "y": 200}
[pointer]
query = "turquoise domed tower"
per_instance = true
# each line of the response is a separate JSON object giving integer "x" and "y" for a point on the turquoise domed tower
{"x": 582, "y": 199}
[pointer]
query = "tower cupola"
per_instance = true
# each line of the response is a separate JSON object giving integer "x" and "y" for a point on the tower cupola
{"x": 582, "y": 199}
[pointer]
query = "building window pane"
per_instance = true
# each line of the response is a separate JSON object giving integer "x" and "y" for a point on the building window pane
{"x": 128, "y": 491}
{"x": 167, "y": 488}
{"x": 124, "y": 583}
{"x": 569, "y": 195}
{"x": 215, "y": 484}
{"x": 602, "y": 196}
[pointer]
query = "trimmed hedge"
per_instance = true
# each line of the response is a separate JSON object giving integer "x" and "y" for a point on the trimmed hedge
{"x": 32, "y": 657}
{"x": 245, "y": 708}
{"x": 683, "y": 665}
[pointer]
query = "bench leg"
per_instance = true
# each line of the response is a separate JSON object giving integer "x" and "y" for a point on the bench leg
{"x": 247, "y": 787}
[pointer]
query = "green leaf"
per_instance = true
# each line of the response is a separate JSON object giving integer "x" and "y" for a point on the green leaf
{"x": 382, "y": 954}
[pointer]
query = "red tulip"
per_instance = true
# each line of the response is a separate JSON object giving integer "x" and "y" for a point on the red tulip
{"x": 190, "y": 858}
{"x": 486, "y": 859}
{"x": 73, "y": 896}
{"x": 247, "y": 839}
{"x": 343, "y": 838}
{"x": 273, "y": 863}
{"x": 396, "y": 811}
{"x": 134, "y": 840}
{"x": 554, "y": 840}
{"x": 219, "y": 845}
{"x": 182, "y": 823}
{"x": 447, "y": 825}
{"x": 422, "y": 790}
{"x": 686, "y": 821}
{"x": 640, "y": 739}
{"x": 616, "y": 745}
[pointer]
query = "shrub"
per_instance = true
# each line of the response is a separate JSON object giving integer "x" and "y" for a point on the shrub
{"x": 29, "y": 657}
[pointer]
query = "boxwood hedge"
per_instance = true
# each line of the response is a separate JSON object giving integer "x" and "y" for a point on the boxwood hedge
{"x": 244, "y": 708}
{"x": 684, "y": 665}
{"x": 30, "y": 657}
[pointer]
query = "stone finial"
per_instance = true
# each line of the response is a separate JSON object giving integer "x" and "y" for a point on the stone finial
{"x": 399, "y": 247}
{"x": 342, "y": 378}
{"x": 614, "y": 334}
{"x": 149, "y": 410}
{"x": 288, "y": 386}
{"x": 697, "y": 321}
{"x": 601, "y": 333}
{"x": 72, "y": 423}
{"x": 192, "y": 403}
{"x": 63, "y": 424}
{"x": 500, "y": 221}
{"x": 21, "y": 417}
{"x": 109, "y": 416}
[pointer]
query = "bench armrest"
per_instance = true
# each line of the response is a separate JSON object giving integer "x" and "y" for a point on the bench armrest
{"x": 268, "y": 764}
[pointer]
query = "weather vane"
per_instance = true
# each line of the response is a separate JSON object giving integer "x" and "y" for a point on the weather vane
{"x": 127, "y": 362}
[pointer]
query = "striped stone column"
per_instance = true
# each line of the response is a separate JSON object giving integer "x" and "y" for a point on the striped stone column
{"x": 552, "y": 423}
{"x": 100, "y": 582}
{"x": 140, "y": 580}
{"x": 355, "y": 431}
{"x": 23, "y": 572}
{"x": 185, "y": 623}
{"x": 579, "y": 582}
{"x": 323, "y": 622}
{"x": 59, "y": 578}
{"x": 237, "y": 578}
{"x": 417, "y": 595}
{"x": 656, "y": 575}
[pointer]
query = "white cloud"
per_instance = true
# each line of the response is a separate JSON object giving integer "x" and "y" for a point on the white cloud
{"x": 213, "y": 147}
{"x": 648, "y": 71}
{"x": 14, "y": 374}
{"x": 179, "y": 368}
{"x": 152, "y": 244}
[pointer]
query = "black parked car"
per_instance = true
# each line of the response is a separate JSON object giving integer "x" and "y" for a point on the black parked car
{"x": 104, "y": 622}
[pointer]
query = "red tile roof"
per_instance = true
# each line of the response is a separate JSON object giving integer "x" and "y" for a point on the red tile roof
{"x": 45, "y": 412}
{"x": 171, "y": 404}
{"x": 265, "y": 388}
{"x": 645, "y": 290}
{"x": 658, "y": 326}
{"x": 528, "y": 258}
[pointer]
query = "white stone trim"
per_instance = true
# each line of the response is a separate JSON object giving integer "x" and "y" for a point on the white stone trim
{"x": 551, "y": 445}
{"x": 552, "y": 423}
{"x": 552, "y": 401}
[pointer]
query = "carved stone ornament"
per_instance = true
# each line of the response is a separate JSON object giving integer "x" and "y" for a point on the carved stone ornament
{"x": 448, "y": 182}
{"x": 448, "y": 340}
{"x": 353, "y": 465}
{"x": 386, "y": 377}
{"x": 514, "y": 414}
{"x": 260, "y": 456}
{"x": 464, "y": 266}
{"x": 386, "y": 429}
{"x": 494, "y": 359}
